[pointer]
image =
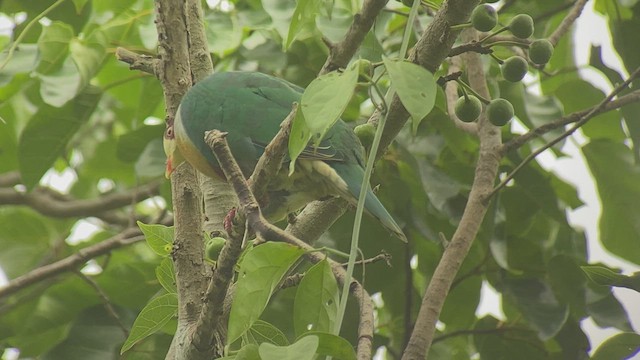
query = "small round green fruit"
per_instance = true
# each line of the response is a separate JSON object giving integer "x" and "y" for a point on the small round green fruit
{"x": 514, "y": 68}
{"x": 499, "y": 112}
{"x": 521, "y": 26}
{"x": 365, "y": 67}
{"x": 365, "y": 133}
{"x": 484, "y": 17}
{"x": 468, "y": 108}
{"x": 540, "y": 51}
{"x": 214, "y": 247}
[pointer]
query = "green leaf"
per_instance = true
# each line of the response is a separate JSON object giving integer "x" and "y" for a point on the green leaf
{"x": 305, "y": 13}
{"x": 542, "y": 110}
{"x": 325, "y": 99}
{"x": 49, "y": 321}
{"x": 248, "y": 352}
{"x": 88, "y": 55}
{"x": 607, "y": 125}
{"x": 619, "y": 346}
{"x": 605, "y": 309}
{"x": 152, "y": 161}
{"x": 538, "y": 305}
{"x": 166, "y": 275}
{"x": 53, "y": 46}
{"x": 415, "y": 86}
{"x": 630, "y": 113}
{"x": 23, "y": 61}
{"x": 133, "y": 143}
{"x": 224, "y": 34}
{"x": 506, "y": 344}
{"x": 24, "y": 238}
{"x": 151, "y": 319}
{"x": 617, "y": 179}
{"x": 92, "y": 336}
{"x": 298, "y": 139}
{"x": 159, "y": 237}
{"x": 60, "y": 86}
{"x": 332, "y": 345}
{"x": 79, "y": 4}
{"x": 262, "y": 331}
{"x": 261, "y": 271}
{"x": 603, "y": 276}
{"x": 460, "y": 307}
{"x": 316, "y": 302}
{"x": 568, "y": 282}
{"x": 47, "y": 134}
{"x": 280, "y": 12}
{"x": 303, "y": 349}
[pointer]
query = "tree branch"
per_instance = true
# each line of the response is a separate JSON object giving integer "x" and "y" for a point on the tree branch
{"x": 10, "y": 179}
{"x": 213, "y": 309}
{"x": 342, "y": 52}
{"x": 54, "y": 204}
{"x": 582, "y": 120}
{"x": 566, "y": 23}
{"x": 144, "y": 63}
{"x": 72, "y": 262}
{"x": 475, "y": 209}
{"x": 249, "y": 205}
{"x": 174, "y": 73}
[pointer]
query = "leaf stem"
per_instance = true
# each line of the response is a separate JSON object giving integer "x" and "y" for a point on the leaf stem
{"x": 24, "y": 32}
{"x": 355, "y": 235}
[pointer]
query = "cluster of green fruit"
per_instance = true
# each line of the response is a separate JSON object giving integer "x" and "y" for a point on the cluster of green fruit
{"x": 500, "y": 111}
{"x": 469, "y": 107}
{"x": 485, "y": 18}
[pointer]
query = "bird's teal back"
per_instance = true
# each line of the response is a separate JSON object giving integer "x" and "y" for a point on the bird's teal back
{"x": 250, "y": 107}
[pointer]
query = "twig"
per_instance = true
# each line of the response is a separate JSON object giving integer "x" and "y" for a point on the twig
{"x": 10, "y": 179}
{"x": 551, "y": 12}
{"x": 105, "y": 301}
{"x": 127, "y": 237}
{"x": 212, "y": 309}
{"x": 383, "y": 256}
{"x": 271, "y": 160}
{"x": 249, "y": 205}
{"x": 144, "y": 63}
{"x": 342, "y": 52}
{"x": 566, "y": 23}
{"x": 621, "y": 101}
{"x": 451, "y": 93}
{"x": 200, "y": 63}
{"x": 582, "y": 120}
{"x": 477, "y": 47}
{"x": 477, "y": 332}
{"x": 25, "y": 31}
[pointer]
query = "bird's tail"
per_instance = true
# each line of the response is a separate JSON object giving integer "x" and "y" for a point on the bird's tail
{"x": 353, "y": 177}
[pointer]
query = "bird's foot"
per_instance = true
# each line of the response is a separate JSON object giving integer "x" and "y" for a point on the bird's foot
{"x": 228, "y": 220}
{"x": 292, "y": 218}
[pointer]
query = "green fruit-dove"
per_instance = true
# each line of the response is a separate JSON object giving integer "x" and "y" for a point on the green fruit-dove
{"x": 250, "y": 106}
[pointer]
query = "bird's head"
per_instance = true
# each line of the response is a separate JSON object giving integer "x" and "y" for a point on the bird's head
{"x": 174, "y": 158}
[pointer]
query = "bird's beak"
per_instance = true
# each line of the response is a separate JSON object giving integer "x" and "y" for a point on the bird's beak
{"x": 169, "y": 169}
{"x": 169, "y": 145}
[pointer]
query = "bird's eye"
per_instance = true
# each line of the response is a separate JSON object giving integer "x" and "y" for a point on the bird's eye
{"x": 169, "y": 132}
